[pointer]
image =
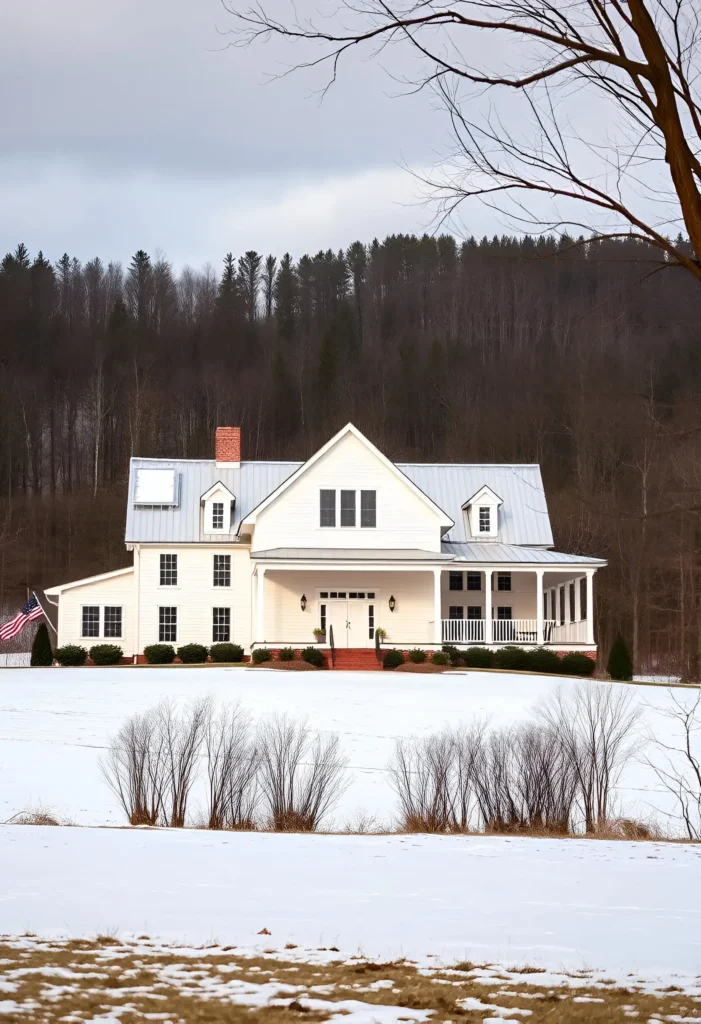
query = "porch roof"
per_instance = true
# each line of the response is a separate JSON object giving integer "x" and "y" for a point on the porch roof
{"x": 349, "y": 555}
{"x": 462, "y": 552}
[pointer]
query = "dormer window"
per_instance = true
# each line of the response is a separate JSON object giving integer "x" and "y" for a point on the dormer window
{"x": 217, "y": 515}
{"x": 482, "y": 514}
{"x": 217, "y": 504}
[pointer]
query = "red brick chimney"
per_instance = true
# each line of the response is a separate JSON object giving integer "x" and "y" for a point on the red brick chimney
{"x": 227, "y": 446}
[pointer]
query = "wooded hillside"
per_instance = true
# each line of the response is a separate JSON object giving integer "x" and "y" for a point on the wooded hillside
{"x": 585, "y": 359}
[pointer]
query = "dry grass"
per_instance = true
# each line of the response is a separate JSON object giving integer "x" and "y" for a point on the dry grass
{"x": 422, "y": 666}
{"x": 51, "y": 981}
{"x": 34, "y": 816}
{"x": 290, "y": 666}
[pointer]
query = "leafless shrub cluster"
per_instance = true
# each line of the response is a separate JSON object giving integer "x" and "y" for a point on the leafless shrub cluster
{"x": 545, "y": 775}
{"x": 679, "y": 769}
{"x": 302, "y": 774}
{"x": 154, "y": 761}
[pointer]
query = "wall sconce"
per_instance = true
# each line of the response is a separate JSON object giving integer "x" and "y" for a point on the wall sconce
{"x": 303, "y": 602}
{"x": 392, "y": 603}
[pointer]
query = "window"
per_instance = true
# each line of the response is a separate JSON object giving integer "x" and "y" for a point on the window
{"x": 504, "y": 581}
{"x": 167, "y": 625}
{"x": 456, "y": 611}
{"x": 504, "y": 614}
{"x": 583, "y": 599}
{"x": 327, "y": 508}
{"x": 455, "y": 581}
{"x": 474, "y": 581}
{"x": 371, "y": 621}
{"x": 222, "y": 571}
{"x": 347, "y": 508}
{"x": 571, "y": 589}
{"x": 545, "y": 605}
{"x": 91, "y": 620}
{"x": 169, "y": 570}
{"x": 368, "y": 508}
{"x": 221, "y": 625}
{"x": 562, "y": 606}
{"x": 474, "y": 612}
{"x": 485, "y": 519}
{"x": 322, "y": 616}
{"x": 217, "y": 515}
{"x": 113, "y": 620}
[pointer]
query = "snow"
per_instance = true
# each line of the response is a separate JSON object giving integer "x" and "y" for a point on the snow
{"x": 629, "y": 911}
{"x": 55, "y": 724}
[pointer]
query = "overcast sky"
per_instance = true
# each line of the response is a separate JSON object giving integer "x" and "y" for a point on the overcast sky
{"x": 128, "y": 124}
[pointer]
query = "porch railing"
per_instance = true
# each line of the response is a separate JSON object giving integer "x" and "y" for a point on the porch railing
{"x": 511, "y": 631}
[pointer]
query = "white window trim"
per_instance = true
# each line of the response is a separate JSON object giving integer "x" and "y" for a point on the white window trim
{"x": 101, "y": 620}
{"x": 226, "y": 587}
{"x": 177, "y": 623}
{"x": 171, "y": 587}
{"x": 231, "y": 622}
{"x": 337, "y": 507}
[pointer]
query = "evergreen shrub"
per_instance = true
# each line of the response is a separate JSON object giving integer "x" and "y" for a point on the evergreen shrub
{"x": 159, "y": 654}
{"x": 192, "y": 654}
{"x": 106, "y": 654}
{"x": 314, "y": 656}
{"x": 392, "y": 658}
{"x": 41, "y": 648}
{"x": 71, "y": 654}
{"x": 226, "y": 652}
{"x": 620, "y": 664}
{"x": 260, "y": 655}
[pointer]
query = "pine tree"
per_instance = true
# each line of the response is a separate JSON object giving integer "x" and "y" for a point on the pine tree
{"x": 269, "y": 285}
{"x": 249, "y": 276}
{"x": 619, "y": 665}
{"x": 41, "y": 648}
{"x": 286, "y": 298}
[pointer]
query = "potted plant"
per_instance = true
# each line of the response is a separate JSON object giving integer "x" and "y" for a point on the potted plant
{"x": 381, "y": 633}
{"x": 320, "y": 635}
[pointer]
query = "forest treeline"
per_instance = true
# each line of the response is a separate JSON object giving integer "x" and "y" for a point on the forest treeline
{"x": 584, "y": 358}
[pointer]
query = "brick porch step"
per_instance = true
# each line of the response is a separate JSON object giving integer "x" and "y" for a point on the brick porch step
{"x": 355, "y": 659}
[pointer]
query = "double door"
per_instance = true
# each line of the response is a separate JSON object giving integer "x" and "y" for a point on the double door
{"x": 352, "y": 618}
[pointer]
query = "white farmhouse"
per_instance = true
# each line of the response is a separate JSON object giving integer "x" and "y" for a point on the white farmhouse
{"x": 263, "y": 553}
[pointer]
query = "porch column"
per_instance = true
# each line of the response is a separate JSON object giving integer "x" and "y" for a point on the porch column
{"x": 539, "y": 606}
{"x": 590, "y": 606}
{"x": 260, "y": 614}
{"x": 488, "y": 632}
{"x": 437, "y": 623}
{"x": 577, "y": 600}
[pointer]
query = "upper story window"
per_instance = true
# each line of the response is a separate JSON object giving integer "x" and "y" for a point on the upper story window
{"x": 217, "y": 515}
{"x": 368, "y": 509}
{"x": 455, "y": 581}
{"x": 485, "y": 519}
{"x": 482, "y": 513}
{"x": 504, "y": 581}
{"x": 474, "y": 581}
{"x": 169, "y": 571}
{"x": 222, "y": 571}
{"x": 327, "y": 508}
{"x": 347, "y": 513}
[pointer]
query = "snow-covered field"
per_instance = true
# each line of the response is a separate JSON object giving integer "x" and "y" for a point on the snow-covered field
{"x": 55, "y": 723}
{"x": 628, "y": 911}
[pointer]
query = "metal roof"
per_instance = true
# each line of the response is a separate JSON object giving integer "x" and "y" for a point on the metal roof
{"x": 523, "y": 517}
{"x": 349, "y": 555}
{"x": 514, "y": 553}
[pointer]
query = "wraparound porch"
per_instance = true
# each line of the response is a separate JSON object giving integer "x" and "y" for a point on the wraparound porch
{"x": 423, "y": 605}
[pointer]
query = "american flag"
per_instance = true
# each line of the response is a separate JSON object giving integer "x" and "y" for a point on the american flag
{"x": 31, "y": 610}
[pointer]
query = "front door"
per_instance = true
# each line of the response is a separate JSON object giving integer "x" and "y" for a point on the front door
{"x": 337, "y": 616}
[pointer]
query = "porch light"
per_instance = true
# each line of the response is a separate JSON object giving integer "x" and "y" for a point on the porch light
{"x": 303, "y": 602}
{"x": 392, "y": 603}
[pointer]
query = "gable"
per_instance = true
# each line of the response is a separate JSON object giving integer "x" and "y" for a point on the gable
{"x": 405, "y": 517}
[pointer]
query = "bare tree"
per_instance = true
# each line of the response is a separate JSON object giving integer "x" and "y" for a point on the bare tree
{"x": 422, "y": 773}
{"x": 680, "y": 772}
{"x": 633, "y": 62}
{"x": 232, "y": 765}
{"x": 181, "y": 737}
{"x": 302, "y": 775}
{"x": 135, "y": 769}
{"x": 595, "y": 722}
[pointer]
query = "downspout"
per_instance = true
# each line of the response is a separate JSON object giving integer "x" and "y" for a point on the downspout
{"x": 137, "y": 583}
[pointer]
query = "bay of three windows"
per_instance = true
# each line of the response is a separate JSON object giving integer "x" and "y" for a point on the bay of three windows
{"x": 168, "y": 625}
{"x": 340, "y": 508}
{"x": 473, "y": 581}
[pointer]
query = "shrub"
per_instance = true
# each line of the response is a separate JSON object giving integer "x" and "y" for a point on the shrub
{"x": 192, "y": 654}
{"x": 454, "y": 655}
{"x": 106, "y": 654}
{"x": 392, "y": 659}
{"x": 417, "y": 656}
{"x": 71, "y": 654}
{"x": 286, "y": 654}
{"x": 620, "y": 665}
{"x": 478, "y": 657}
{"x": 512, "y": 658}
{"x": 41, "y": 648}
{"x": 226, "y": 652}
{"x": 261, "y": 654}
{"x": 159, "y": 654}
{"x": 440, "y": 658}
{"x": 577, "y": 664}
{"x": 544, "y": 660}
{"x": 313, "y": 656}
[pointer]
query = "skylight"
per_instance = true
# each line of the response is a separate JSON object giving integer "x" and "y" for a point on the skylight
{"x": 156, "y": 487}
